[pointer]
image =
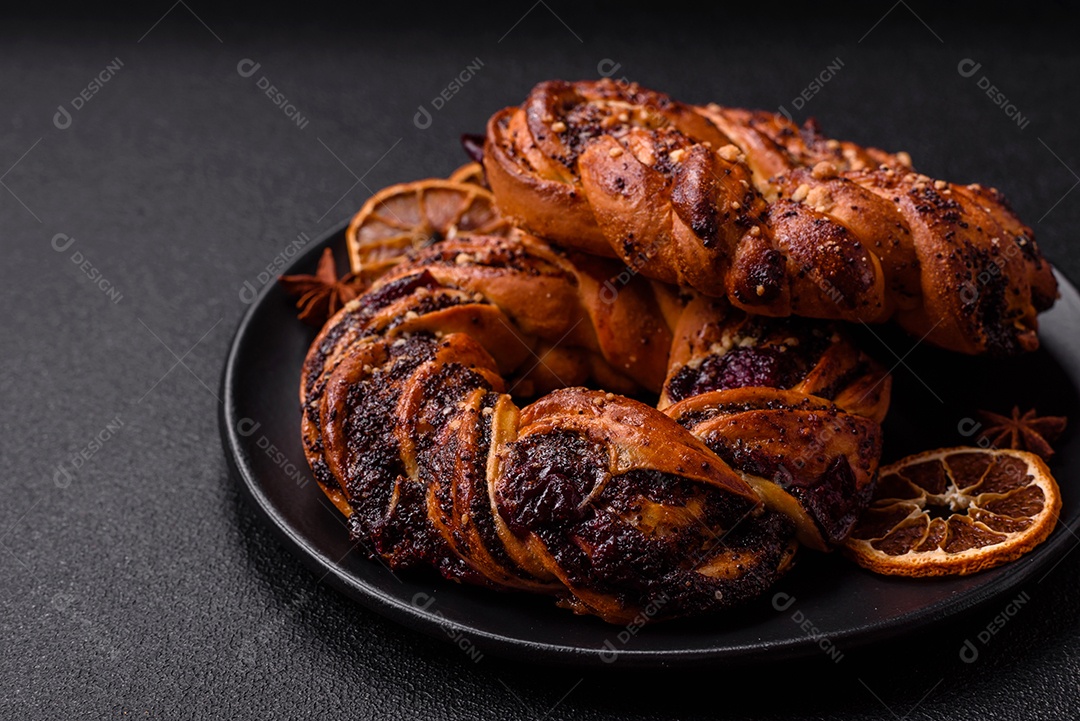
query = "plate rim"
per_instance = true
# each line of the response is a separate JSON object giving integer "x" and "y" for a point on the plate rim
{"x": 506, "y": 646}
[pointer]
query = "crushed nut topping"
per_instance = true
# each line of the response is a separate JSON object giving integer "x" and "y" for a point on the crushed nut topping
{"x": 729, "y": 152}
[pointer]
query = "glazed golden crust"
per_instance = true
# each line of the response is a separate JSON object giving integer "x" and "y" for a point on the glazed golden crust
{"x": 608, "y": 504}
{"x": 778, "y": 219}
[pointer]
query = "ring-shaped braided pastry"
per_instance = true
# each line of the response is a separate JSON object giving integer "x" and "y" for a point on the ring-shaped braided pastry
{"x": 765, "y": 432}
{"x": 776, "y": 218}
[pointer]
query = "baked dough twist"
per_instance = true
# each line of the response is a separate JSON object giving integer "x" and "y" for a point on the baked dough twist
{"x": 776, "y": 218}
{"x": 767, "y": 430}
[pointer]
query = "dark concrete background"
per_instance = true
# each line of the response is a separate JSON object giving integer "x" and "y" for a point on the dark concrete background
{"x": 141, "y": 583}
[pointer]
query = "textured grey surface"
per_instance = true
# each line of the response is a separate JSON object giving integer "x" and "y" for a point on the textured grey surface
{"x": 141, "y": 583}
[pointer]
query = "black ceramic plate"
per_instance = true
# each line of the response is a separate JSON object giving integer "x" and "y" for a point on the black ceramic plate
{"x": 826, "y": 604}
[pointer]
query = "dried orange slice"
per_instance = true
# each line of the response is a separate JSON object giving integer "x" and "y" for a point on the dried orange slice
{"x": 955, "y": 511}
{"x": 414, "y": 215}
{"x": 472, "y": 173}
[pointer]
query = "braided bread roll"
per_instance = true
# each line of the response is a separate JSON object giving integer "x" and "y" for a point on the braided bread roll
{"x": 778, "y": 219}
{"x": 608, "y": 504}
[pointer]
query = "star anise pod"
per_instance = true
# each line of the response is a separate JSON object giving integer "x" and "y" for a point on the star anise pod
{"x": 1026, "y": 432}
{"x": 323, "y": 294}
